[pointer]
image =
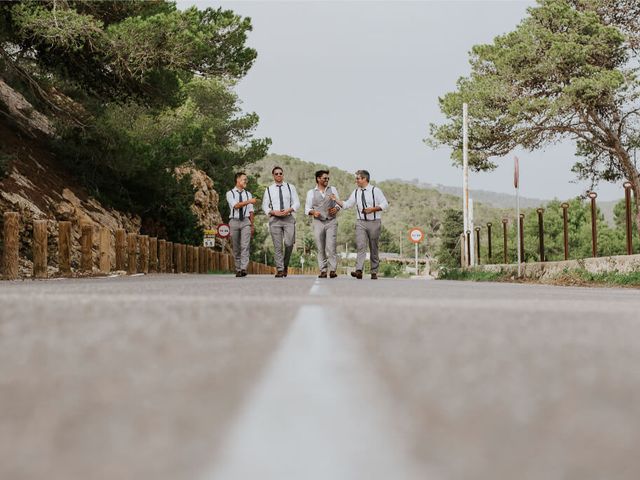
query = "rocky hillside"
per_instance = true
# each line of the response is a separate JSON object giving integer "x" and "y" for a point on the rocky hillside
{"x": 33, "y": 183}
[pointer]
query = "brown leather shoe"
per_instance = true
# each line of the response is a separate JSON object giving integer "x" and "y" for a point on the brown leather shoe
{"x": 333, "y": 274}
{"x": 322, "y": 275}
{"x": 374, "y": 276}
{"x": 357, "y": 274}
{"x": 238, "y": 274}
{"x": 280, "y": 274}
{"x": 243, "y": 273}
{"x": 285, "y": 271}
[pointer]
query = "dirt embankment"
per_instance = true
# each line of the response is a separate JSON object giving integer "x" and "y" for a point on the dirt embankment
{"x": 34, "y": 184}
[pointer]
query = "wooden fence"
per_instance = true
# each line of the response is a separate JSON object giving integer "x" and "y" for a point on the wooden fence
{"x": 133, "y": 253}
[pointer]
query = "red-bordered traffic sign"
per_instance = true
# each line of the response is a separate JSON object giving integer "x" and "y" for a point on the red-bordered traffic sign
{"x": 416, "y": 235}
{"x": 516, "y": 172}
{"x": 223, "y": 230}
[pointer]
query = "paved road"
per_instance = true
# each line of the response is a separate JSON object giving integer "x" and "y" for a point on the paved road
{"x": 213, "y": 377}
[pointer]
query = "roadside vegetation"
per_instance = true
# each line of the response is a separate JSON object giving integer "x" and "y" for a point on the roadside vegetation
{"x": 568, "y": 277}
{"x": 136, "y": 89}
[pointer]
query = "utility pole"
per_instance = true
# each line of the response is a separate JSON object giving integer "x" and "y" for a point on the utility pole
{"x": 467, "y": 214}
{"x": 465, "y": 170}
{"x": 516, "y": 184}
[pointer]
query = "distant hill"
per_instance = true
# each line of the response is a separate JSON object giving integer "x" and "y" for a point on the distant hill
{"x": 411, "y": 205}
{"x": 505, "y": 200}
{"x": 495, "y": 199}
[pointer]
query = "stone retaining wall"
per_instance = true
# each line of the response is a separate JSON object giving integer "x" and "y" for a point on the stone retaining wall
{"x": 542, "y": 270}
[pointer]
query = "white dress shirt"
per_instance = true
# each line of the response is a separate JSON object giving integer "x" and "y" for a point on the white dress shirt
{"x": 233, "y": 198}
{"x": 308, "y": 204}
{"x": 272, "y": 202}
{"x": 373, "y": 197}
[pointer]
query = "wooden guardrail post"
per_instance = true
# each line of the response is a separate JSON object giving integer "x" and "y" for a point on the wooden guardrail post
{"x": 202, "y": 256}
{"x": 195, "y": 260}
{"x": 132, "y": 264}
{"x": 216, "y": 260}
{"x": 11, "y": 245}
{"x": 86, "y": 245}
{"x": 177, "y": 253}
{"x": 143, "y": 240}
{"x": 170, "y": 268}
{"x": 64, "y": 248}
{"x": 183, "y": 258}
{"x": 121, "y": 249}
{"x": 40, "y": 237}
{"x": 105, "y": 250}
{"x": 153, "y": 254}
{"x": 162, "y": 256}
{"x": 210, "y": 264}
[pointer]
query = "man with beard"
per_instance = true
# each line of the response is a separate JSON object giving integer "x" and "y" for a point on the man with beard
{"x": 321, "y": 205}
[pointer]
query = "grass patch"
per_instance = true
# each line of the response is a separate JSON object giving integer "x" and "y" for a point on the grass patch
{"x": 581, "y": 277}
{"x": 578, "y": 277}
{"x": 472, "y": 275}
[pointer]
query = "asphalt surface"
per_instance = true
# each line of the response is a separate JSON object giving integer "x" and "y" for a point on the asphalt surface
{"x": 213, "y": 377}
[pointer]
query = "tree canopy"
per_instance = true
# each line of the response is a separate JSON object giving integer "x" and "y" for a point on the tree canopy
{"x": 567, "y": 71}
{"x": 136, "y": 88}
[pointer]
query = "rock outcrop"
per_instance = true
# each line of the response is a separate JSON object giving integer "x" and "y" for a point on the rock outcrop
{"x": 37, "y": 187}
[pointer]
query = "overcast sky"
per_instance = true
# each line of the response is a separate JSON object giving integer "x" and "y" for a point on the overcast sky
{"x": 356, "y": 84}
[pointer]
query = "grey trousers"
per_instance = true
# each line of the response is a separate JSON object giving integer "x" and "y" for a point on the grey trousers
{"x": 240, "y": 241}
{"x": 326, "y": 233}
{"x": 282, "y": 229}
{"x": 368, "y": 233}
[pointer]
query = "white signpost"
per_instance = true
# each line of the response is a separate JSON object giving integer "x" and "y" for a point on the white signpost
{"x": 416, "y": 236}
{"x": 210, "y": 238}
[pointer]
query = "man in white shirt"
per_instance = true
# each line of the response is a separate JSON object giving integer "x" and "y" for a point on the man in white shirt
{"x": 369, "y": 202}
{"x": 280, "y": 202}
{"x": 322, "y": 207}
{"x": 241, "y": 222}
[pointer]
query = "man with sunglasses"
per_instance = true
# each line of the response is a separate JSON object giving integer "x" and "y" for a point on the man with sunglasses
{"x": 369, "y": 202}
{"x": 279, "y": 203}
{"x": 322, "y": 207}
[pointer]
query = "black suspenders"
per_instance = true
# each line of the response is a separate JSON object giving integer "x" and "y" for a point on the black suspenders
{"x": 290, "y": 197}
{"x": 373, "y": 194}
{"x": 233, "y": 193}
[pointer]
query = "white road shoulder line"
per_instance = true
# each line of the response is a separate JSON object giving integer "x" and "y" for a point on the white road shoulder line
{"x": 317, "y": 413}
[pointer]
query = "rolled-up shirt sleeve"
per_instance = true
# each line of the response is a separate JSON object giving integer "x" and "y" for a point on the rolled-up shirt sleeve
{"x": 295, "y": 201}
{"x": 351, "y": 201}
{"x": 250, "y": 208}
{"x": 308, "y": 203}
{"x": 384, "y": 204}
{"x": 265, "y": 202}
{"x": 231, "y": 201}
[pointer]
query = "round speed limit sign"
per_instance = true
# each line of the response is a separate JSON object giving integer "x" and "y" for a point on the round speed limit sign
{"x": 223, "y": 230}
{"x": 416, "y": 235}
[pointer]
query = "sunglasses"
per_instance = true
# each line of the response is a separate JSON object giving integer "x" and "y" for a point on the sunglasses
{"x": 278, "y": 173}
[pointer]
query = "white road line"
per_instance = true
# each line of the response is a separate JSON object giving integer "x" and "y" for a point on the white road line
{"x": 318, "y": 288}
{"x": 317, "y": 413}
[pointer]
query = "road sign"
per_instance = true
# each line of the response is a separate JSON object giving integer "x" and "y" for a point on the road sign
{"x": 416, "y": 235}
{"x": 223, "y": 230}
{"x": 210, "y": 237}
